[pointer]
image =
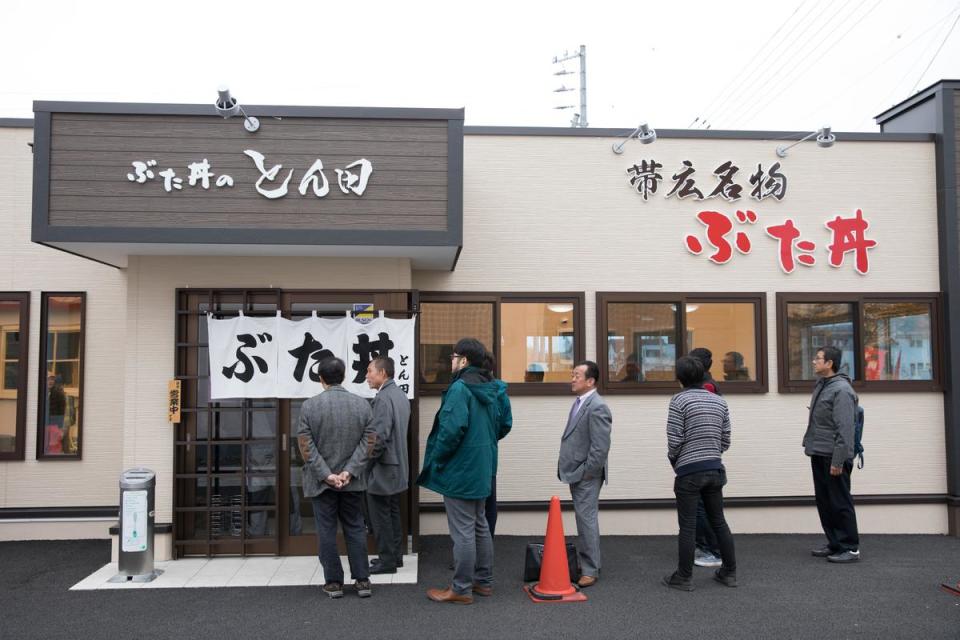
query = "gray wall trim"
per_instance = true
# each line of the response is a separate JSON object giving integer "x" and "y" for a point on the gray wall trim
{"x": 57, "y": 513}
{"x": 138, "y": 108}
{"x": 670, "y": 503}
{"x": 921, "y": 96}
{"x": 242, "y": 236}
{"x": 772, "y": 136}
{"x": 949, "y": 241}
{"x": 16, "y": 123}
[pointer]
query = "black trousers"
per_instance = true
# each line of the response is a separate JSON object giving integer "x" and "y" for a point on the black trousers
{"x": 835, "y": 504}
{"x": 706, "y": 538}
{"x": 345, "y": 506}
{"x": 690, "y": 489}
{"x": 490, "y": 508}
{"x": 387, "y": 529}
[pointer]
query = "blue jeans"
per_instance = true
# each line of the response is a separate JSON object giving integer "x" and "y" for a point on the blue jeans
{"x": 345, "y": 506}
{"x": 689, "y": 489}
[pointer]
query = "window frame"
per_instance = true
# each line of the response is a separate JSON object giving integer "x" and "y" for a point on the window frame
{"x": 23, "y": 298}
{"x": 858, "y": 300}
{"x": 577, "y": 298}
{"x": 42, "y": 373}
{"x": 758, "y": 299}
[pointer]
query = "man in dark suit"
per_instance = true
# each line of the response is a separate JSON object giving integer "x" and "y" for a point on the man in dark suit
{"x": 583, "y": 463}
{"x": 332, "y": 434}
{"x": 388, "y": 474}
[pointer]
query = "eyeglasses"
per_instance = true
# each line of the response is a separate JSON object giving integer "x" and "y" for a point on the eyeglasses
{"x": 819, "y": 359}
{"x": 454, "y": 356}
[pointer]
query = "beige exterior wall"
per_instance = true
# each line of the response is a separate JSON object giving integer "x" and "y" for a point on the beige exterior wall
{"x": 150, "y": 333}
{"x": 558, "y": 214}
{"x": 91, "y": 481}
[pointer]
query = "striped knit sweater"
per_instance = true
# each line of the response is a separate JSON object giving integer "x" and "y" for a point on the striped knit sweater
{"x": 698, "y": 431}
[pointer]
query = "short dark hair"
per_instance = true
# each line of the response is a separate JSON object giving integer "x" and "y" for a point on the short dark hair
{"x": 704, "y": 355}
{"x": 384, "y": 364}
{"x": 689, "y": 371}
{"x": 331, "y": 370}
{"x": 489, "y": 362}
{"x": 471, "y": 349}
{"x": 592, "y": 370}
{"x": 737, "y": 358}
{"x": 834, "y": 355}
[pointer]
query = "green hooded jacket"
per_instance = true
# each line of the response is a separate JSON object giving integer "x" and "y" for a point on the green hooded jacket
{"x": 461, "y": 456}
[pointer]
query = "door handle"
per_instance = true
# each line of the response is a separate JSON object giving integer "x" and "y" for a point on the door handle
{"x": 283, "y": 446}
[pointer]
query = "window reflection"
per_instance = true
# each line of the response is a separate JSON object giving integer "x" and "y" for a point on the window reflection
{"x": 641, "y": 341}
{"x": 813, "y": 325}
{"x": 10, "y": 351}
{"x": 897, "y": 341}
{"x": 537, "y": 341}
{"x": 442, "y": 324}
{"x": 61, "y": 392}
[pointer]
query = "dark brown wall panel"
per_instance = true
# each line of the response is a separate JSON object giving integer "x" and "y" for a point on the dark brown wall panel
{"x": 91, "y": 155}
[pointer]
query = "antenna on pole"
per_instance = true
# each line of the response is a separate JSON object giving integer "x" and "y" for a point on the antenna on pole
{"x": 579, "y": 119}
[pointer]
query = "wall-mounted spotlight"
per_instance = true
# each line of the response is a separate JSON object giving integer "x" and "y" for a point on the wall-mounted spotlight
{"x": 228, "y": 106}
{"x": 825, "y": 138}
{"x": 643, "y": 133}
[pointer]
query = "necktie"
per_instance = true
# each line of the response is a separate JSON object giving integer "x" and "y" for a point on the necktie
{"x": 573, "y": 411}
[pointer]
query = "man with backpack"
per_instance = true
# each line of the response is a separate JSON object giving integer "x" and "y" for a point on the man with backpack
{"x": 829, "y": 441}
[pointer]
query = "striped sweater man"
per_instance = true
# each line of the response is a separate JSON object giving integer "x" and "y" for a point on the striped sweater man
{"x": 698, "y": 431}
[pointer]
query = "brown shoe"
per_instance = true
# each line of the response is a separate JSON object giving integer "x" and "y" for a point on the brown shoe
{"x": 480, "y": 590}
{"x": 586, "y": 581}
{"x": 447, "y": 595}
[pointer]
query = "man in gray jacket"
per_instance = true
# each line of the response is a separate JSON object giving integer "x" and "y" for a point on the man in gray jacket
{"x": 583, "y": 463}
{"x": 829, "y": 443}
{"x": 388, "y": 474}
{"x": 332, "y": 435}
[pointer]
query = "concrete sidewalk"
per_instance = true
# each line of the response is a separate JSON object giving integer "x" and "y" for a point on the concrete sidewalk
{"x": 784, "y": 593}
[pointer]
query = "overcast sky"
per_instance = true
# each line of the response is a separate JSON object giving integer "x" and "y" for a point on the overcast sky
{"x": 763, "y": 65}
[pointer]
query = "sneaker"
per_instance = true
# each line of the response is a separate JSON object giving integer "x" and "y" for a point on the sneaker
{"x": 676, "y": 582}
{"x": 844, "y": 556}
{"x": 706, "y": 559}
{"x": 822, "y": 552}
{"x": 333, "y": 589}
{"x": 363, "y": 588}
{"x": 726, "y": 579}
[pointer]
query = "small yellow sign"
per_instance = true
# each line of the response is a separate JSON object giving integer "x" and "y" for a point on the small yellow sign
{"x": 173, "y": 401}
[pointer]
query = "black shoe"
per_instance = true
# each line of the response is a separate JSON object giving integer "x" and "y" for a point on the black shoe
{"x": 843, "y": 557}
{"x": 333, "y": 589}
{"x": 676, "y": 582}
{"x": 377, "y": 569}
{"x": 363, "y": 588}
{"x": 822, "y": 552}
{"x": 726, "y": 579}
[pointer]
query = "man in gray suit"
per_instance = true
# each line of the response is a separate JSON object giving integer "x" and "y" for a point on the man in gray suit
{"x": 583, "y": 463}
{"x": 388, "y": 474}
{"x": 332, "y": 435}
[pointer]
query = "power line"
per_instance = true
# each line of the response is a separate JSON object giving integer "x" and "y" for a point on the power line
{"x": 864, "y": 76}
{"x": 731, "y": 87}
{"x": 748, "y": 89}
{"x": 823, "y": 52}
{"x": 939, "y": 49}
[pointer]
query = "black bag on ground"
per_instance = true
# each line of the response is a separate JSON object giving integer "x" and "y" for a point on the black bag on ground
{"x": 534, "y": 558}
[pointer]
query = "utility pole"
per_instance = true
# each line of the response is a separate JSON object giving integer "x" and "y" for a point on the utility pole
{"x": 579, "y": 119}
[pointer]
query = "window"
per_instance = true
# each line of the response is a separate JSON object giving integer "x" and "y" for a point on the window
{"x": 536, "y": 338}
{"x": 887, "y": 342}
{"x": 642, "y": 335}
{"x": 59, "y": 424}
{"x": 14, "y": 328}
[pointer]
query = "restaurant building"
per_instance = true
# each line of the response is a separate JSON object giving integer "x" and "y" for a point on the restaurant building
{"x": 129, "y": 225}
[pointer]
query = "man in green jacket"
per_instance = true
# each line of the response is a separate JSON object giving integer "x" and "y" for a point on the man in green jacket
{"x": 459, "y": 463}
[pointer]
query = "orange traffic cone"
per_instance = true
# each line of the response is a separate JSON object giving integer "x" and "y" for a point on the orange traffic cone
{"x": 554, "y": 585}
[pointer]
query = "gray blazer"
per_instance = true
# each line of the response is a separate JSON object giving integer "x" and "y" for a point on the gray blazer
{"x": 332, "y": 434}
{"x": 586, "y": 443}
{"x": 389, "y": 471}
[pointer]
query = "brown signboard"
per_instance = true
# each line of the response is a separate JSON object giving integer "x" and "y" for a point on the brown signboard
{"x": 181, "y": 174}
